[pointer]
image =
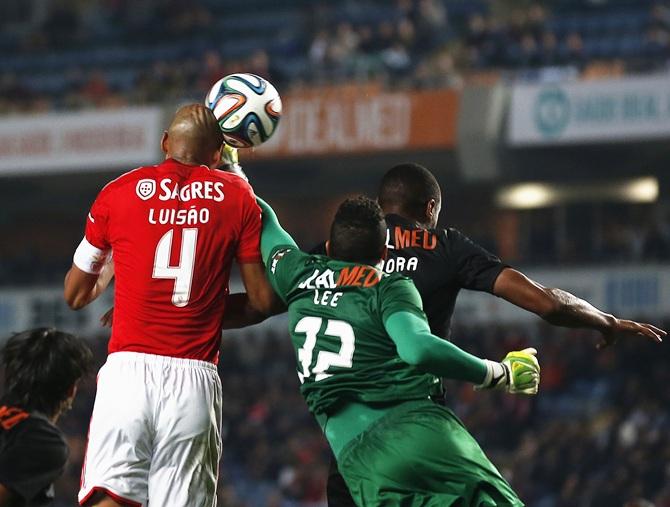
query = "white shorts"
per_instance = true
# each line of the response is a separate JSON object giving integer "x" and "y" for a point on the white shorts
{"x": 155, "y": 432}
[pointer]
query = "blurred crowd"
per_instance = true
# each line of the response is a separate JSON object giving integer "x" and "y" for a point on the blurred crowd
{"x": 72, "y": 54}
{"x": 598, "y": 435}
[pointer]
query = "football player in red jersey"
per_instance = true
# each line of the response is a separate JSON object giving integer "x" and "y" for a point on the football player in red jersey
{"x": 174, "y": 230}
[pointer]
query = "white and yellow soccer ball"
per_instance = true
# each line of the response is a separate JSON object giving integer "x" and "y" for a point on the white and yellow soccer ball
{"x": 247, "y": 107}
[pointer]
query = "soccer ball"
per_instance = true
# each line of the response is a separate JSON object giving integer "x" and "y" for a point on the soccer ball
{"x": 248, "y": 109}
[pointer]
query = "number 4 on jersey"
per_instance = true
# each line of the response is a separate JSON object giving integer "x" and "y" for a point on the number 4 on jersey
{"x": 310, "y": 326}
{"x": 181, "y": 274}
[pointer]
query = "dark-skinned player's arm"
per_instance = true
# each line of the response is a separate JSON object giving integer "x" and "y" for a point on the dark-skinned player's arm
{"x": 406, "y": 324}
{"x": 240, "y": 312}
{"x": 256, "y": 304}
{"x": 561, "y": 308}
{"x": 84, "y": 284}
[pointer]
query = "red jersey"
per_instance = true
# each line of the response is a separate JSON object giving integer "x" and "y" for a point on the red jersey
{"x": 174, "y": 231}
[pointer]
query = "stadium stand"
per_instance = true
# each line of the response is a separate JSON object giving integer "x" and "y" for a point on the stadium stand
{"x": 105, "y": 53}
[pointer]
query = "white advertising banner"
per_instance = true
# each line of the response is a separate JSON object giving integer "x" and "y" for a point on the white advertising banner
{"x": 81, "y": 141}
{"x": 590, "y": 111}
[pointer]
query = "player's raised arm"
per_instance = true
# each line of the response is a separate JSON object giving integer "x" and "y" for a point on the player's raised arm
{"x": 273, "y": 234}
{"x": 561, "y": 308}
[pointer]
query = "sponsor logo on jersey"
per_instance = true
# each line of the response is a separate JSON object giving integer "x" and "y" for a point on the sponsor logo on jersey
{"x": 351, "y": 276}
{"x": 410, "y": 238}
{"x": 359, "y": 276}
{"x": 145, "y": 189}
{"x": 210, "y": 190}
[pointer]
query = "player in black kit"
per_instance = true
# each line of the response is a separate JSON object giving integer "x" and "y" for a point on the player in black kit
{"x": 441, "y": 262}
{"x": 42, "y": 369}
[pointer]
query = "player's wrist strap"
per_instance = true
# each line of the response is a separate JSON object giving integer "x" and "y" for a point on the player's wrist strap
{"x": 496, "y": 375}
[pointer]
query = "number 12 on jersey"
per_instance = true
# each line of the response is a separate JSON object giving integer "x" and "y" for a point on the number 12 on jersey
{"x": 310, "y": 326}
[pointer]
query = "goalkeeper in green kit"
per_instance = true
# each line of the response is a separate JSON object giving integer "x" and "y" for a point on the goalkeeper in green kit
{"x": 368, "y": 365}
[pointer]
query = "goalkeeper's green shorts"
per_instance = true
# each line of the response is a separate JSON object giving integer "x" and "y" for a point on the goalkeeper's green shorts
{"x": 420, "y": 454}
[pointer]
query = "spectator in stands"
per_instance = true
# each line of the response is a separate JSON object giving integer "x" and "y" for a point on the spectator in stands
{"x": 536, "y": 21}
{"x": 528, "y": 53}
{"x": 431, "y": 24}
{"x": 574, "y": 49}
{"x": 318, "y": 49}
{"x": 549, "y": 49}
{"x": 438, "y": 72}
{"x": 406, "y": 35}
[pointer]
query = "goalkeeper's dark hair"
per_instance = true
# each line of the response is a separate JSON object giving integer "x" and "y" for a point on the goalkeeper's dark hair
{"x": 41, "y": 367}
{"x": 408, "y": 187}
{"x": 358, "y": 232}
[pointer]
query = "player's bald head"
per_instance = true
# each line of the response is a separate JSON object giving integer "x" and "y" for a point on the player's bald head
{"x": 194, "y": 135}
{"x": 408, "y": 189}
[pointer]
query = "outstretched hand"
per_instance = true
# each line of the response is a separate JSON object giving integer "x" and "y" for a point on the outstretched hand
{"x": 625, "y": 328}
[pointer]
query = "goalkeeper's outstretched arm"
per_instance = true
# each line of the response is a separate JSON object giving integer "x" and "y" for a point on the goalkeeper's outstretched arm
{"x": 518, "y": 373}
{"x": 273, "y": 234}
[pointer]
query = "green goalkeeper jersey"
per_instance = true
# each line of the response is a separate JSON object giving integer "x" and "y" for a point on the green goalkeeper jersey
{"x": 336, "y": 313}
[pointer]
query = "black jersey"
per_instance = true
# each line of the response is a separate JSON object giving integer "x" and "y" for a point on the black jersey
{"x": 441, "y": 262}
{"x": 33, "y": 454}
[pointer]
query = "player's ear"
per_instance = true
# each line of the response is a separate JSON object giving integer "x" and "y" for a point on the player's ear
{"x": 72, "y": 392}
{"x": 328, "y": 247}
{"x": 164, "y": 142}
{"x": 432, "y": 211}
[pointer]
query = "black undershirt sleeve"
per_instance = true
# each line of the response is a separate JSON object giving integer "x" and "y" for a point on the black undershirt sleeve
{"x": 476, "y": 268}
{"x": 32, "y": 459}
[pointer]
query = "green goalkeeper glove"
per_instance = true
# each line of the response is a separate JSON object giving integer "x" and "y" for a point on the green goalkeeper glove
{"x": 518, "y": 373}
{"x": 230, "y": 161}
